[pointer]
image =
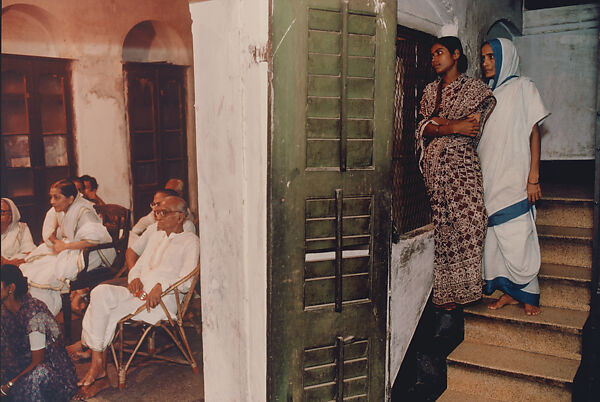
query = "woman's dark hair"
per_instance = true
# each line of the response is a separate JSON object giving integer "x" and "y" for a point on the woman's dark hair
{"x": 452, "y": 43}
{"x": 10, "y": 274}
{"x": 90, "y": 179}
{"x": 66, "y": 187}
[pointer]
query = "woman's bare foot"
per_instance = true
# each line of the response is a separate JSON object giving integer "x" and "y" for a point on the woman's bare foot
{"x": 502, "y": 301}
{"x": 532, "y": 310}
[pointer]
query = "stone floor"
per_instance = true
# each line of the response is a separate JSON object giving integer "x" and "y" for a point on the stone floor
{"x": 149, "y": 381}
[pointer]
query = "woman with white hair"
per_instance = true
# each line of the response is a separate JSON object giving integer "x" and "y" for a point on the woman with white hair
{"x": 16, "y": 237}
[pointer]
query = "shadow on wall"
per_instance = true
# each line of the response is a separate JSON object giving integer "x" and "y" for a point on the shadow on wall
{"x": 31, "y": 30}
{"x": 155, "y": 41}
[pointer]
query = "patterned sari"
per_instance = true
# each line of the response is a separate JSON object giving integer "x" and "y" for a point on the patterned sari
{"x": 452, "y": 173}
{"x": 52, "y": 380}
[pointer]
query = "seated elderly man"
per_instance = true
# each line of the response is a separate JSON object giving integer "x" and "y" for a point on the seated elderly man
{"x": 146, "y": 221}
{"x": 170, "y": 255}
{"x": 176, "y": 185}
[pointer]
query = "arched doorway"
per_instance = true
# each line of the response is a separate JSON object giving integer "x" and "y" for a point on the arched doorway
{"x": 154, "y": 59}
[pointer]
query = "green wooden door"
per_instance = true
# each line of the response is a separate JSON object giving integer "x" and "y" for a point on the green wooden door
{"x": 329, "y": 222}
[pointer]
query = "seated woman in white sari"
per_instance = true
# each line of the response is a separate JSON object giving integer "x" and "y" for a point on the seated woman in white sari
{"x": 50, "y": 268}
{"x": 51, "y": 227}
{"x": 509, "y": 152}
{"x": 16, "y": 237}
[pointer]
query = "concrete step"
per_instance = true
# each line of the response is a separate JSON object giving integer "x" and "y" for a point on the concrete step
{"x": 509, "y": 374}
{"x": 566, "y": 205}
{"x": 455, "y": 396}
{"x": 565, "y": 213}
{"x": 565, "y": 245}
{"x": 553, "y": 332}
{"x": 565, "y": 286}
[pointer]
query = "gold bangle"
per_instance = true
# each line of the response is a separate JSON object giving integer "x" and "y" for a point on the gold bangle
{"x": 537, "y": 182}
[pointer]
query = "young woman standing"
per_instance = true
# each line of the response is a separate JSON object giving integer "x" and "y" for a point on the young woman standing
{"x": 454, "y": 109}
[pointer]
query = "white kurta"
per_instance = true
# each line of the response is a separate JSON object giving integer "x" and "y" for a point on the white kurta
{"x": 47, "y": 272}
{"x": 511, "y": 249}
{"x": 165, "y": 260}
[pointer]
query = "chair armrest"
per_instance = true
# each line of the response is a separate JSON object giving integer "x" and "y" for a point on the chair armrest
{"x": 165, "y": 292}
{"x": 88, "y": 250}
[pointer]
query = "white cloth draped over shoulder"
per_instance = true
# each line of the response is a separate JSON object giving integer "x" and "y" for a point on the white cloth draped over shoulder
{"x": 511, "y": 248}
{"x": 16, "y": 240}
{"x": 48, "y": 273}
{"x": 165, "y": 260}
{"x": 51, "y": 225}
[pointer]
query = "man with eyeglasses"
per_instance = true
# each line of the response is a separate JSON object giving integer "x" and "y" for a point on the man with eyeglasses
{"x": 171, "y": 254}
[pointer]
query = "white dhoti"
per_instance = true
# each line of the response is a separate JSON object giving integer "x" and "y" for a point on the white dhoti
{"x": 109, "y": 304}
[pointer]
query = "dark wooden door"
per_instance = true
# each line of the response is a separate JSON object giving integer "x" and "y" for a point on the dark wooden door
{"x": 36, "y": 133}
{"x": 157, "y": 133}
{"x": 330, "y": 199}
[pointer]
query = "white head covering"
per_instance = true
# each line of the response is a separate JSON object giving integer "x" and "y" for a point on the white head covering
{"x": 11, "y": 242}
{"x": 506, "y": 61}
{"x": 16, "y": 215}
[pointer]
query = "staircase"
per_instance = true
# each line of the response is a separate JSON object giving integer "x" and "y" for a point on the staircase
{"x": 509, "y": 356}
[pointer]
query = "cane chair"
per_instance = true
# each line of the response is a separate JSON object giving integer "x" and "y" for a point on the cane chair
{"x": 174, "y": 327}
{"x": 117, "y": 220}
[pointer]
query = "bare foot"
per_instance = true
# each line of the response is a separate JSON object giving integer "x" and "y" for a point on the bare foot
{"x": 532, "y": 310}
{"x": 501, "y": 302}
{"x": 94, "y": 373}
{"x": 88, "y": 391}
{"x": 77, "y": 354}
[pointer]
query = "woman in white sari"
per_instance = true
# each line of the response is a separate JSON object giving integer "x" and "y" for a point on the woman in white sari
{"x": 16, "y": 237}
{"x": 50, "y": 268}
{"x": 509, "y": 151}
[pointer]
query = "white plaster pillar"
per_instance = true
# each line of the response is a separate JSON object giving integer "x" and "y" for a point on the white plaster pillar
{"x": 231, "y": 140}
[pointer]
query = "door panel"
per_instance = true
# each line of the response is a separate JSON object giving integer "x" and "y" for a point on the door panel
{"x": 157, "y": 129}
{"x": 36, "y": 133}
{"x": 330, "y": 199}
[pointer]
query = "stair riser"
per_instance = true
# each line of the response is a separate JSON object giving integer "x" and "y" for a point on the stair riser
{"x": 558, "y": 214}
{"x": 503, "y": 387}
{"x": 564, "y": 294}
{"x": 525, "y": 337}
{"x": 566, "y": 252}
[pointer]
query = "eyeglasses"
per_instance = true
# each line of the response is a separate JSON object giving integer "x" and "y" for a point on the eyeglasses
{"x": 161, "y": 213}
{"x": 154, "y": 204}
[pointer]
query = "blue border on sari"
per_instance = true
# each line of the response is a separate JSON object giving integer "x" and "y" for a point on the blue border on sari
{"x": 511, "y": 212}
{"x": 512, "y": 289}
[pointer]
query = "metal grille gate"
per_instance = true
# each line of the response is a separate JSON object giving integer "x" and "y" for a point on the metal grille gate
{"x": 413, "y": 71}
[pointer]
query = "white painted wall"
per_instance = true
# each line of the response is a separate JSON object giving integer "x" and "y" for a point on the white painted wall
{"x": 411, "y": 280}
{"x": 91, "y": 33}
{"x": 559, "y": 52}
{"x": 231, "y": 126}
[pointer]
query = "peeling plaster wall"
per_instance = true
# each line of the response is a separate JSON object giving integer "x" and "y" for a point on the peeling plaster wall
{"x": 91, "y": 34}
{"x": 559, "y": 52}
{"x": 476, "y": 18}
{"x": 231, "y": 124}
{"x": 411, "y": 279}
